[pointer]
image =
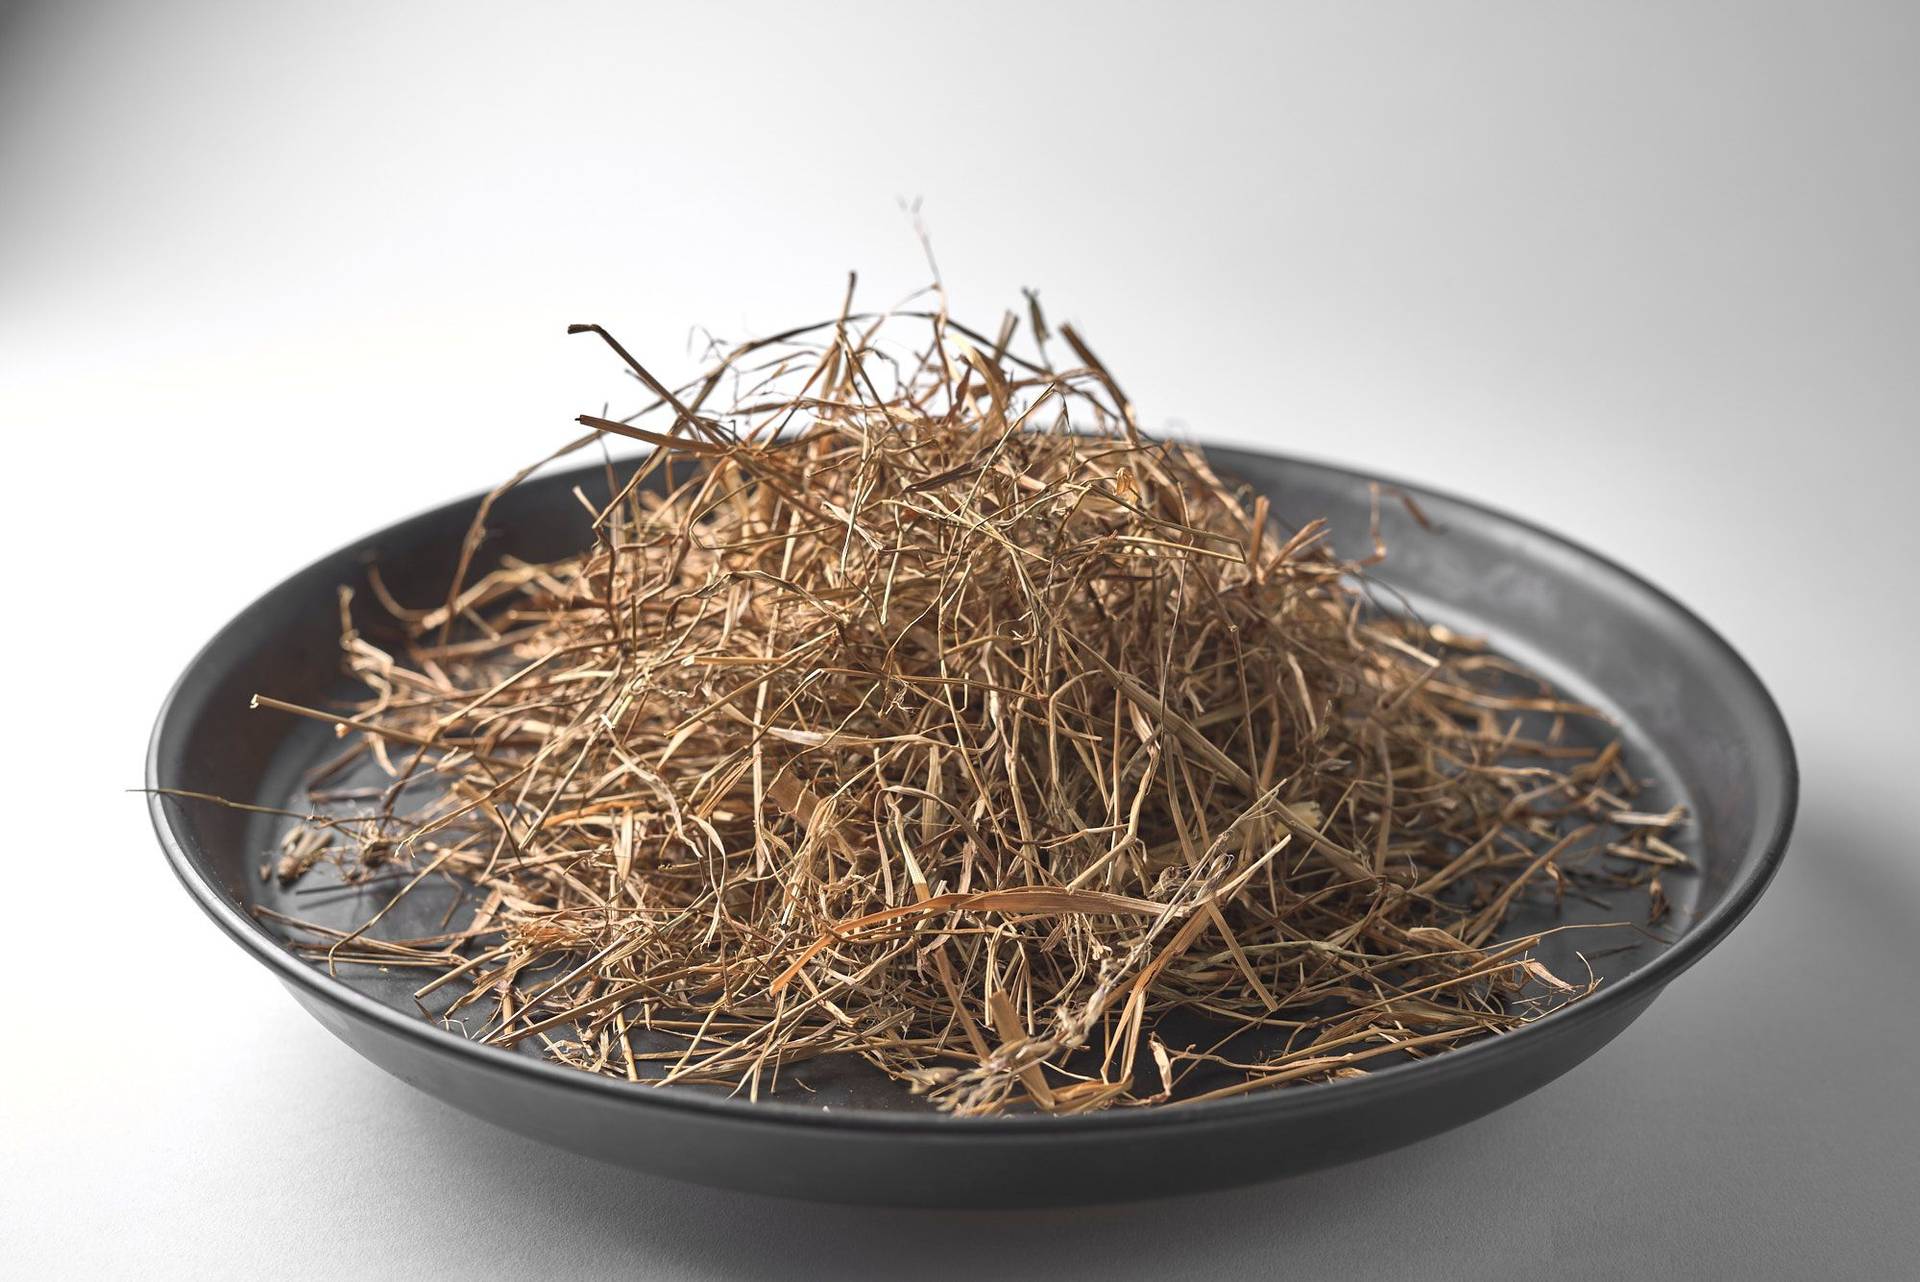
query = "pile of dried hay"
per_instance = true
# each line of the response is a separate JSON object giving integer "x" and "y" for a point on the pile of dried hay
{"x": 918, "y": 708}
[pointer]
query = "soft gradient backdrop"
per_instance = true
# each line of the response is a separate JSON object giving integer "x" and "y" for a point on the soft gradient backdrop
{"x": 272, "y": 275}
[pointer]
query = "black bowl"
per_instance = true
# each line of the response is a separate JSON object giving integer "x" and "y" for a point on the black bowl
{"x": 1693, "y": 715}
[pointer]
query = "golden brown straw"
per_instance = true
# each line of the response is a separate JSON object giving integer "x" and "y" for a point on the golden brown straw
{"x": 917, "y": 708}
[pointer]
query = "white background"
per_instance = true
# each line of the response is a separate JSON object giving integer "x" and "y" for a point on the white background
{"x": 273, "y": 275}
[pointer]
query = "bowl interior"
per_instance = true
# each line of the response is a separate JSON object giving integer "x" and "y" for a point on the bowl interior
{"x": 1696, "y": 725}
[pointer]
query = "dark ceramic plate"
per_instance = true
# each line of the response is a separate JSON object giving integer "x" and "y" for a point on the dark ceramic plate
{"x": 1695, "y": 719}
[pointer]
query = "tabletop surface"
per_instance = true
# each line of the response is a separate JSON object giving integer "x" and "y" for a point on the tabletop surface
{"x": 273, "y": 276}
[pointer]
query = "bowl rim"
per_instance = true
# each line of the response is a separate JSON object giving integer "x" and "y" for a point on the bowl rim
{"x": 1780, "y": 795}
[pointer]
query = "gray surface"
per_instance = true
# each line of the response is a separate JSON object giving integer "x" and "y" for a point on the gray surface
{"x": 1647, "y": 274}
